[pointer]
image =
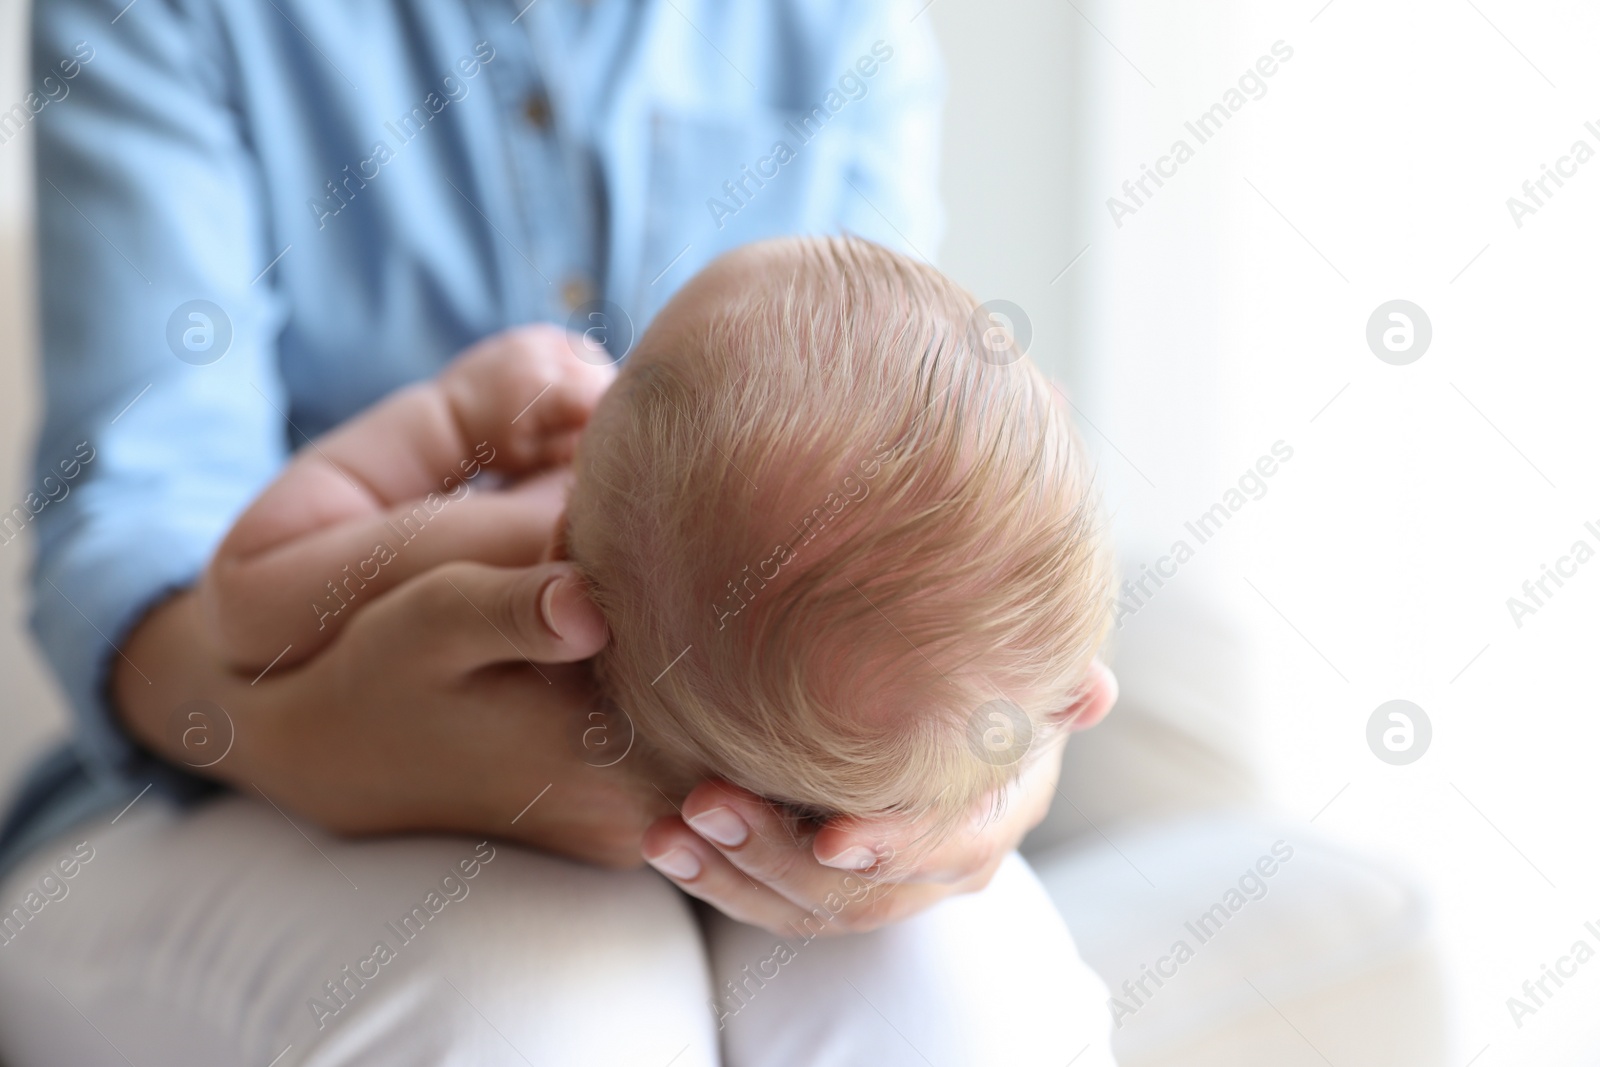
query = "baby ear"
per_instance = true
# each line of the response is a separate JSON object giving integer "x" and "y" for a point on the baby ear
{"x": 1092, "y": 701}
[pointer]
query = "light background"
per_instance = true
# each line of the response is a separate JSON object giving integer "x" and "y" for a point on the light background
{"x": 1229, "y": 313}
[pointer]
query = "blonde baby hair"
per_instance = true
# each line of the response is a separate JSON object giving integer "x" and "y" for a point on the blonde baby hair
{"x": 833, "y": 527}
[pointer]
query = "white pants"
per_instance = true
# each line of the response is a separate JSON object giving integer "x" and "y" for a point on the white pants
{"x": 226, "y": 935}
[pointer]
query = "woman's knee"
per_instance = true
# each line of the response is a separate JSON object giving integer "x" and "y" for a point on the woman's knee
{"x": 531, "y": 957}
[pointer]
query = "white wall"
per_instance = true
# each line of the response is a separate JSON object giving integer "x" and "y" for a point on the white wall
{"x": 1009, "y": 175}
{"x": 1232, "y": 308}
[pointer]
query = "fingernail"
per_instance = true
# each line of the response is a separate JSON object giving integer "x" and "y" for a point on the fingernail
{"x": 679, "y": 863}
{"x": 854, "y": 858}
{"x": 722, "y": 826}
{"x": 568, "y": 612}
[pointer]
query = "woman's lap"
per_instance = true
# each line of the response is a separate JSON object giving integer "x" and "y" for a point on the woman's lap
{"x": 211, "y": 937}
{"x": 226, "y": 935}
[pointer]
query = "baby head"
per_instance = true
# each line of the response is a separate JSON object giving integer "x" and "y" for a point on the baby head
{"x": 845, "y": 542}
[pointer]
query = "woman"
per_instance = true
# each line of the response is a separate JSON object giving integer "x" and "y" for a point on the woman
{"x": 254, "y": 221}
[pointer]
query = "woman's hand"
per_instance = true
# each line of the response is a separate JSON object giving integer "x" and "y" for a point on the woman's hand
{"x": 738, "y": 853}
{"x": 452, "y": 703}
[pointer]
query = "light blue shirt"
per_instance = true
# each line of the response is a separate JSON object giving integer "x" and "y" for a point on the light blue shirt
{"x": 256, "y": 219}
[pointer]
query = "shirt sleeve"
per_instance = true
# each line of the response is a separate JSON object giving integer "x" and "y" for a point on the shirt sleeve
{"x": 892, "y": 192}
{"x": 164, "y": 408}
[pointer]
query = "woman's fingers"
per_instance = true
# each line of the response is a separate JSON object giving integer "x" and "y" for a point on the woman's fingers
{"x": 966, "y": 855}
{"x": 962, "y": 856}
{"x": 471, "y": 615}
{"x": 844, "y": 902}
{"x": 916, "y": 852}
{"x": 748, "y": 859}
{"x": 769, "y": 850}
{"x": 699, "y": 869}
{"x": 739, "y": 854}
{"x": 754, "y": 837}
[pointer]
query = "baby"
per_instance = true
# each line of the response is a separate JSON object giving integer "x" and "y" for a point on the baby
{"x": 841, "y": 531}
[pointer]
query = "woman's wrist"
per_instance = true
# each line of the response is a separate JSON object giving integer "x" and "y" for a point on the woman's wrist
{"x": 176, "y": 697}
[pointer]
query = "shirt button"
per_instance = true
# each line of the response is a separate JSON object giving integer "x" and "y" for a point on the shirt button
{"x": 537, "y": 110}
{"x": 576, "y": 291}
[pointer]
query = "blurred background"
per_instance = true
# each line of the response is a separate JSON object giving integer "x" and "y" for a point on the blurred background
{"x": 1198, "y": 324}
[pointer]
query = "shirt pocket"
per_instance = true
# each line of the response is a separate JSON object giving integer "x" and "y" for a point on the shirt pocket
{"x": 720, "y": 179}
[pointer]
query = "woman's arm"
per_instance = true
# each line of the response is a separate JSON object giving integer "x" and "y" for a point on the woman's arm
{"x": 159, "y": 338}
